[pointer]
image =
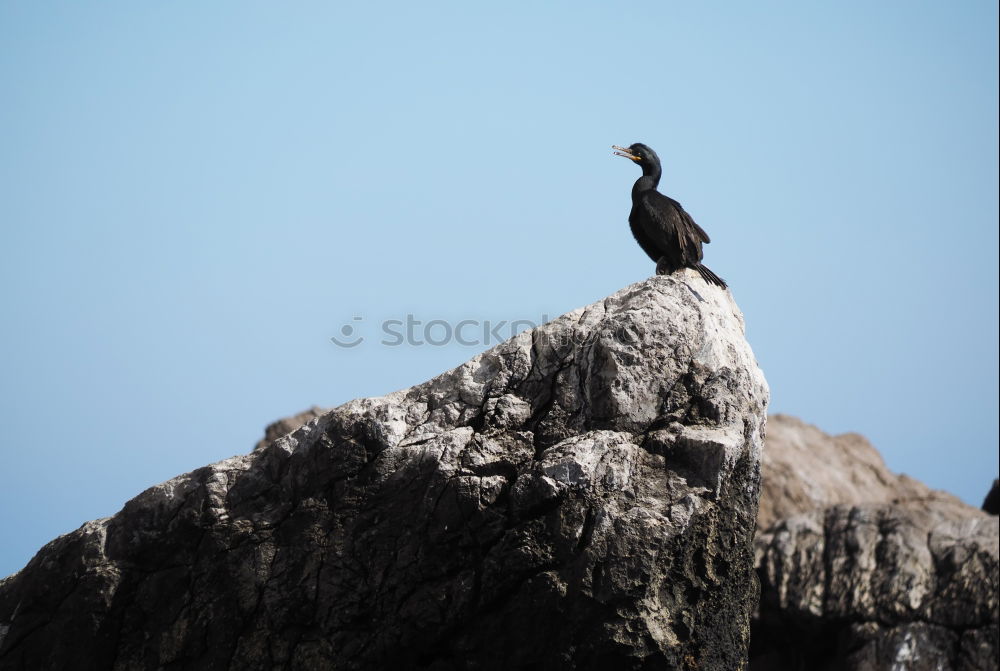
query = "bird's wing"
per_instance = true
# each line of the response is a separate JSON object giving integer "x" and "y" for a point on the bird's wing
{"x": 689, "y": 224}
{"x": 673, "y": 226}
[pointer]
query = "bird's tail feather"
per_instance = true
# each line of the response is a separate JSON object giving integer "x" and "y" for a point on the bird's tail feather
{"x": 710, "y": 276}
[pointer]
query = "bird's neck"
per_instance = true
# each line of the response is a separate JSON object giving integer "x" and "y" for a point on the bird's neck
{"x": 647, "y": 182}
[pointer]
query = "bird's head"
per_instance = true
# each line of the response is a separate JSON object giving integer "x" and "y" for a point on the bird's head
{"x": 639, "y": 153}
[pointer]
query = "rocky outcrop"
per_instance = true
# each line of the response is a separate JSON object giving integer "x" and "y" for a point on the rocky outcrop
{"x": 582, "y": 496}
{"x": 286, "y": 425}
{"x": 894, "y": 576}
{"x": 805, "y": 469}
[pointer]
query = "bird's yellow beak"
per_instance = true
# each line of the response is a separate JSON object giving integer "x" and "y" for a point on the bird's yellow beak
{"x": 622, "y": 151}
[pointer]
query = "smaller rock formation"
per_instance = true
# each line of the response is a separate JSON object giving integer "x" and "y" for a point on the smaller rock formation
{"x": 893, "y": 576}
{"x": 287, "y": 425}
{"x": 805, "y": 469}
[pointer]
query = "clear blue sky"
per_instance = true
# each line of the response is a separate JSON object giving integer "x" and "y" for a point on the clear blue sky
{"x": 194, "y": 197}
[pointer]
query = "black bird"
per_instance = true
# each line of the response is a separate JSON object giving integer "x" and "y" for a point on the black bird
{"x": 660, "y": 225}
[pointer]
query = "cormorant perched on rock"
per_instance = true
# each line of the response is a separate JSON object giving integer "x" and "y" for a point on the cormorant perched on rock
{"x": 660, "y": 225}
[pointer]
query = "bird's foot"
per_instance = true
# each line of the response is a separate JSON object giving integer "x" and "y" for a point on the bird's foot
{"x": 662, "y": 266}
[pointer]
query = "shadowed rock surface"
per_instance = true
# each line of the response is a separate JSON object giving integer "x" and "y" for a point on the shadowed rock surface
{"x": 582, "y": 496}
{"x": 991, "y": 504}
{"x": 897, "y": 576}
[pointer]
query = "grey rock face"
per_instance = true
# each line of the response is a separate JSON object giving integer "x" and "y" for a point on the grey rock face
{"x": 909, "y": 583}
{"x": 582, "y": 496}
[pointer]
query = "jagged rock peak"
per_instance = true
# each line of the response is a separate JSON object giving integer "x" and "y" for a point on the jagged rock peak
{"x": 581, "y": 496}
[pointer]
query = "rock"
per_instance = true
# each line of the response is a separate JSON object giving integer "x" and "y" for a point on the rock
{"x": 582, "y": 496}
{"x": 991, "y": 504}
{"x": 896, "y": 576}
{"x": 287, "y": 425}
{"x": 805, "y": 469}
